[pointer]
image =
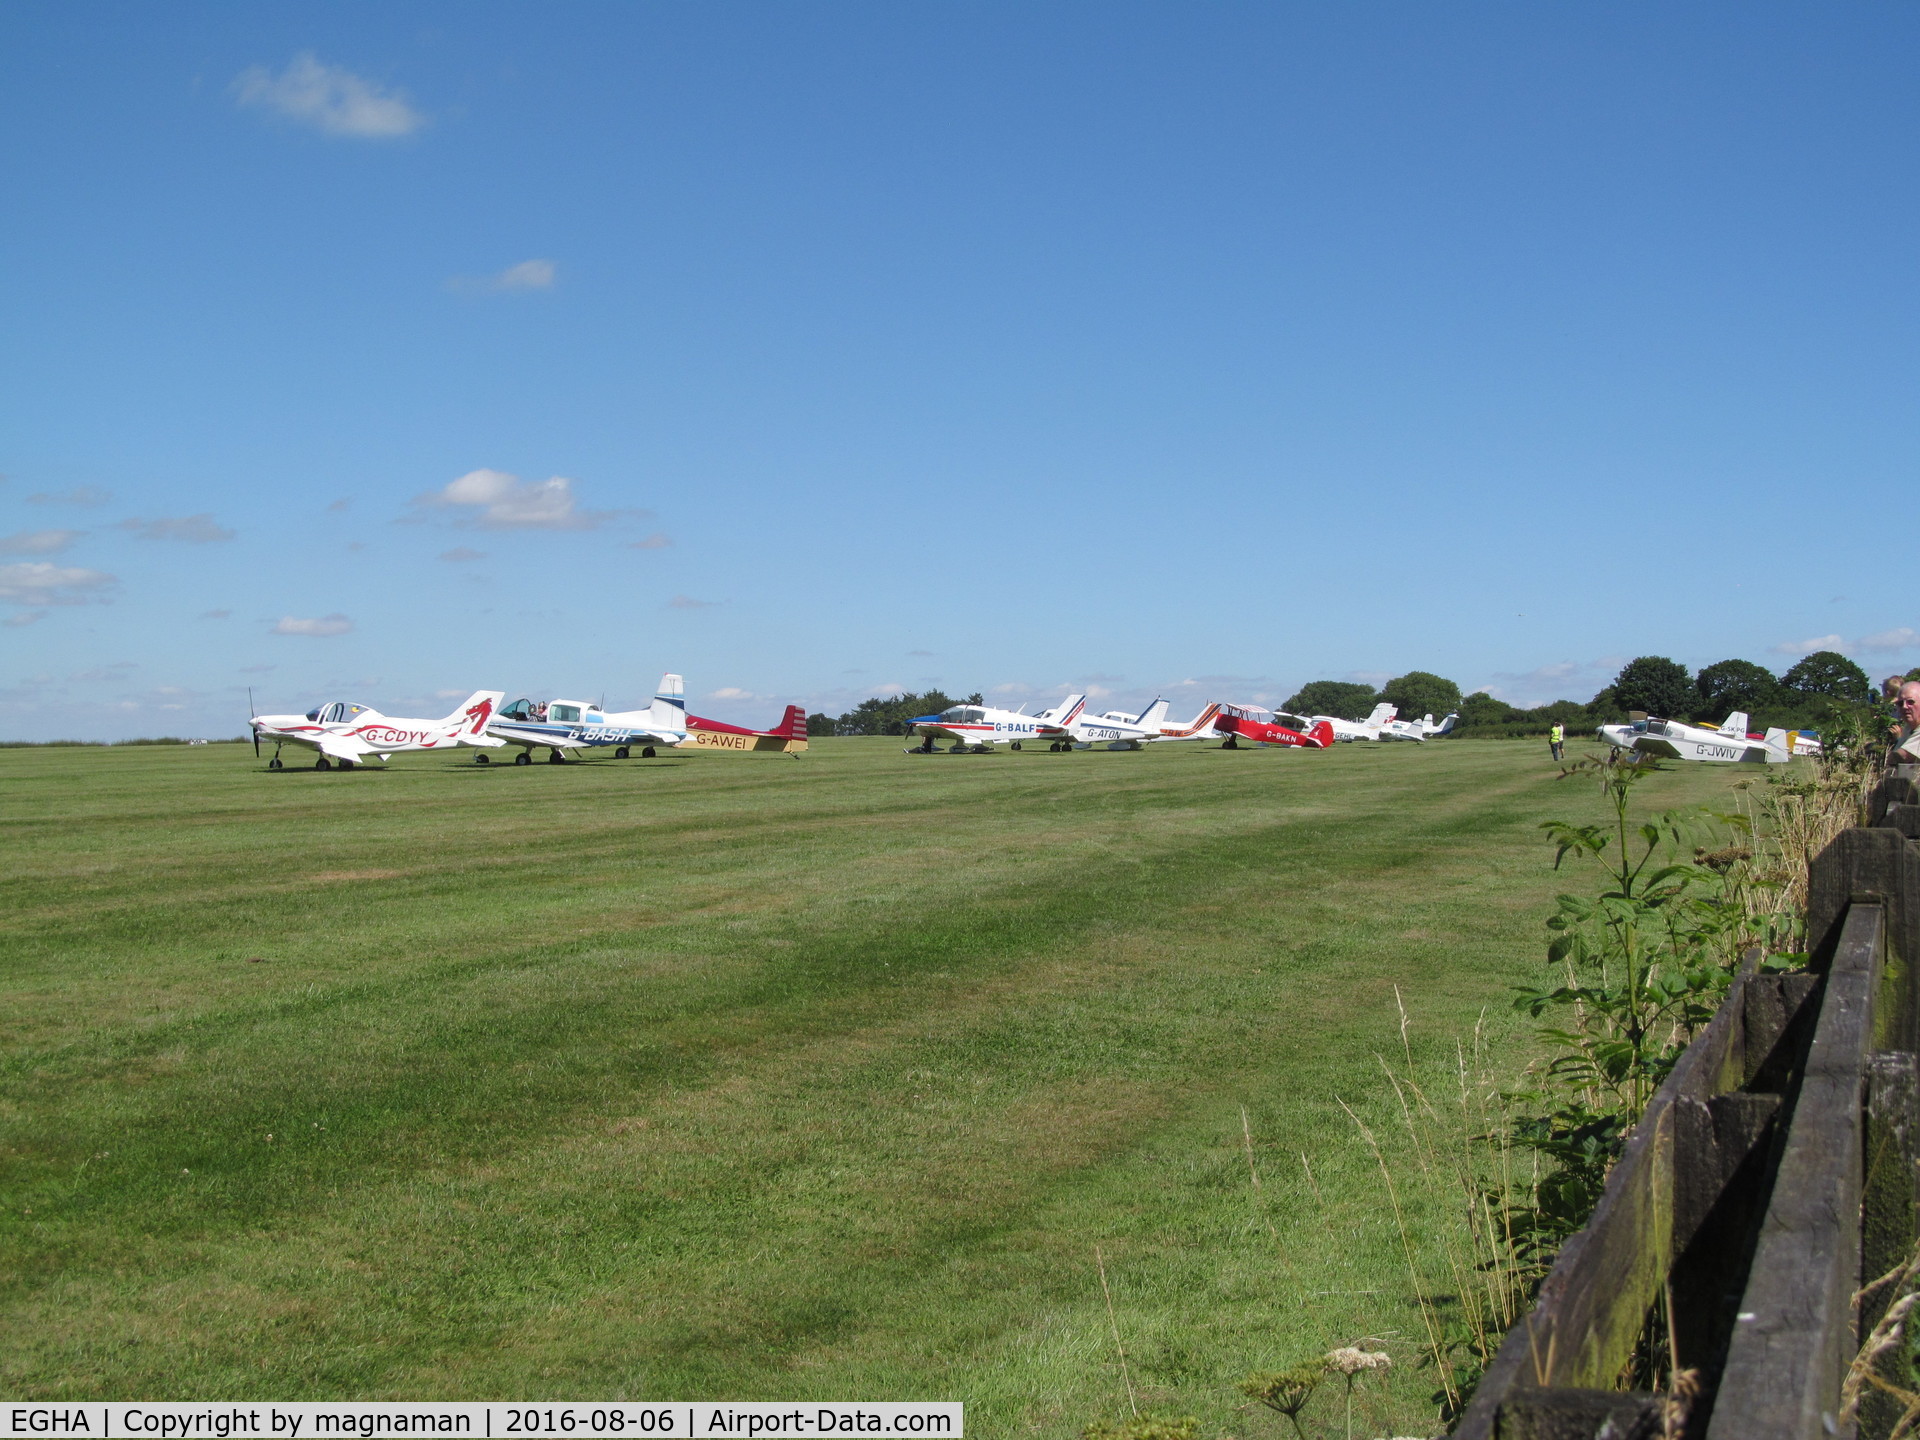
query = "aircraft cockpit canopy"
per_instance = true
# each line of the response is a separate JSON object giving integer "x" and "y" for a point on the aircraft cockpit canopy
{"x": 521, "y": 709}
{"x": 964, "y": 715}
{"x": 336, "y": 713}
{"x": 1249, "y": 712}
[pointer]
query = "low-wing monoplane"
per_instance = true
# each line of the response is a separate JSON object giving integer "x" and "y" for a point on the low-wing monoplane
{"x": 1726, "y": 743}
{"x": 790, "y": 735}
{"x": 1367, "y": 729}
{"x": 1421, "y": 729}
{"x": 1118, "y": 730}
{"x": 977, "y": 729}
{"x": 563, "y": 726}
{"x": 347, "y": 735}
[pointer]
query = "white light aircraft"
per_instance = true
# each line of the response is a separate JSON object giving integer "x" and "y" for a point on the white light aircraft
{"x": 1421, "y": 729}
{"x": 1367, "y": 729}
{"x": 561, "y": 726}
{"x": 348, "y": 735}
{"x": 1728, "y": 742}
{"x": 976, "y": 729}
{"x": 1118, "y": 730}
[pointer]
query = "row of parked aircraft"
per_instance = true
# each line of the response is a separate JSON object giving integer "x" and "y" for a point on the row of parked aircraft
{"x": 976, "y": 729}
{"x": 347, "y": 735}
{"x": 1728, "y": 742}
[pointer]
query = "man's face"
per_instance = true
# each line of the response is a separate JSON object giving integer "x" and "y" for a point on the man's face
{"x": 1908, "y": 704}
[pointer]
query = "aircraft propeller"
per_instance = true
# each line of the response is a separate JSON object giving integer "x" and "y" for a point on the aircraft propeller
{"x": 251, "y": 726}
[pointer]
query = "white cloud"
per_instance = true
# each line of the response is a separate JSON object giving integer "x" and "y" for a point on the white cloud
{"x": 332, "y": 100}
{"x": 655, "y": 541}
{"x": 731, "y": 692}
{"x": 460, "y": 555}
{"x": 506, "y": 502}
{"x": 1904, "y": 638}
{"x": 193, "y": 529}
{"x": 86, "y": 496}
{"x": 25, "y": 617}
{"x": 1807, "y": 647}
{"x": 687, "y": 602}
{"x": 1561, "y": 680}
{"x": 39, "y": 542}
{"x": 527, "y": 275}
{"x": 325, "y": 625}
{"x": 38, "y": 583}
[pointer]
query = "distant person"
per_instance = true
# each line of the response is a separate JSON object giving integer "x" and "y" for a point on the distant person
{"x": 1906, "y": 735}
{"x": 1557, "y": 741}
{"x": 1890, "y": 687}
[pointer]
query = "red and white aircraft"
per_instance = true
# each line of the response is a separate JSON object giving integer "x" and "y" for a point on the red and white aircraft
{"x": 349, "y": 734}
{"x": 1256, "y": 725}
{"x": 790, "y": 735}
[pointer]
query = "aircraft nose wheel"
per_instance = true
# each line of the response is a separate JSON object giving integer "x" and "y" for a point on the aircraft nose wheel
{"x": 621, "y": 753}
{"x": 523, "y": 758}
{"x": 1014, "y": 746}
{"x": 274, "y": 764}
{"x": 481, "y": 760}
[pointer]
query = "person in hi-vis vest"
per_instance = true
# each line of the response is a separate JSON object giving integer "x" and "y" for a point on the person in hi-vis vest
{"x": 1557, "y": 741}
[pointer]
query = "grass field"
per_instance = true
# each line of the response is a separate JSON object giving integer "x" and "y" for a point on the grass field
{"x": 742, "y": 1077}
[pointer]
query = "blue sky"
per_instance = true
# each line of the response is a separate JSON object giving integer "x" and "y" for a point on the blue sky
{"x": 816, "y": 350}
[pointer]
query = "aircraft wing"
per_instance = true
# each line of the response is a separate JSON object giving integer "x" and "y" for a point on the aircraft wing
{"x": 343, "y": 747}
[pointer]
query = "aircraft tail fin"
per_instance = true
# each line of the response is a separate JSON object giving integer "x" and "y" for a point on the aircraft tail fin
{"x": 1066, "y": 712}
{"x": 1735, "y": 724}
{"x": 1322, "y": 734}
{"x": 1382, "y": 713}
{"x": 1446, "y": 725}
{"x": 793, "y": 725}
{"x": 1154, "y": 716}
{"x": 468, "y": 722}
{"x": 669, "y": 706}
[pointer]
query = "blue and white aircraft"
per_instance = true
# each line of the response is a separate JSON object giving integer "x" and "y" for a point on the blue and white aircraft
{"x": 564, "y": 725}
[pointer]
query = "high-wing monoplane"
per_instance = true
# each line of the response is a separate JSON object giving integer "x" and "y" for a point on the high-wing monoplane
{"x": 1421, "y": 729}
{"x": 347, "y": 735}
{"x": 978, "y": 728}
{"x": 563, "y": 726}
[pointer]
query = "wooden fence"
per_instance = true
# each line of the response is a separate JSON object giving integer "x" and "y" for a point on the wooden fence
{"x": 1772, "y": 1177}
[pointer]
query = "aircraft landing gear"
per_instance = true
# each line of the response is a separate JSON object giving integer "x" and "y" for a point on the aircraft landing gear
{"x": 481, "y": 760}
{"x": 274, "y": 764}
{"x": 621, "y": 753}
{"x": 554, "y": 757}
{"x": 323, "y": 763}
{"x": 523, "y": 758}
{"x": 1230, "y": 743}
{"x": 1013, "y": 745}
{"x": 959, "y": 747}
{"x": 646, "y": 752}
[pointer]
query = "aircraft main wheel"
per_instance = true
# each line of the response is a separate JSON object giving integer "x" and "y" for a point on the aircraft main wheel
{"x": 323, "y": 763}
{"x": 1230, "y": 744}
{"x": 481, "y": 760}
{"x": 647, "y": 753}
{"x": 523, "y": 758}
{"x": 621, "y": 753}
{"x": 554, "y": 757}
{"x": 274, "y": 764}
{"x": 346, "y": 764}
{"x": 1015, "y": 745}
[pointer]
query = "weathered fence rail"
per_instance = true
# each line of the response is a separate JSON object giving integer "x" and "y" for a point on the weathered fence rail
{"x": 1772, "y": 1176}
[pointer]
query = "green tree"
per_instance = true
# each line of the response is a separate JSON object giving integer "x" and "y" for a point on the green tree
{"x": 1421, "y": 692}
{"x": 1341, "y": 699}
{"x": 819, "y": 724}
{"x": 1656, "y": 685}
{"x": 1480, "y": 708}
{"x": 889, "y": 715}
{"x": 1829, "y": 673}
{"x": 1734, "y": 685}
{"x": 1605, "y": 708}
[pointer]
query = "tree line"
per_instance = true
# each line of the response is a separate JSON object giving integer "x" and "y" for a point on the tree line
{"x": 1653, "y": 683}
